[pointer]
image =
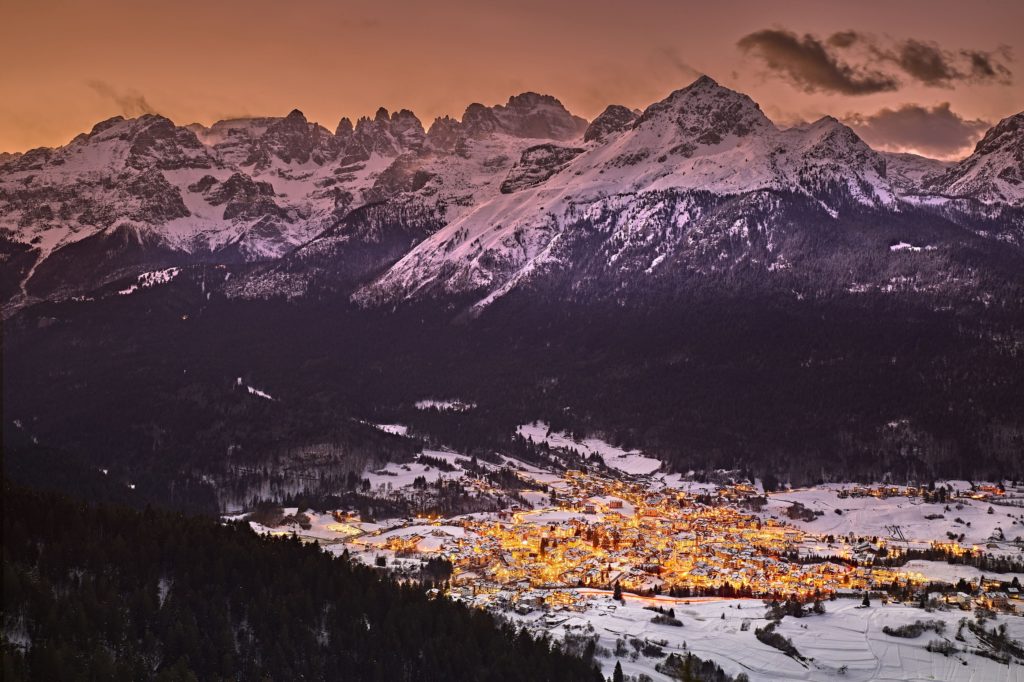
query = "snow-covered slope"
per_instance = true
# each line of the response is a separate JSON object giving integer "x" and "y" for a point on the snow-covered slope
{"x": 910, "y": 172}
{"x": 698, "y": 181}
{"x": 702, "y": 139}
{"x": 249, "y": 189}
{"x": 994, "y": 173}
{"x": 448, "y": 172}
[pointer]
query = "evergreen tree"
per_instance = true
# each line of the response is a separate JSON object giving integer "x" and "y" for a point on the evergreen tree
{"x": 88, "y": 582}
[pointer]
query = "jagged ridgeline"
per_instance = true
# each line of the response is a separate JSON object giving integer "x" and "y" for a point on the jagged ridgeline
{"x": 701, "y": 184}
{"x": 110, "y": 594}
{"x": 690, "y": 279}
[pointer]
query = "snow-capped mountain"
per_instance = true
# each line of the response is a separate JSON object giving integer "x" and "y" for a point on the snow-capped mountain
{"x": 242, "y": 190}
{"x": 910, "y": 172}
{"x": 642, "y": 185}
{"x": 994, "y": 172}
{"x": 699, "y": 182}
{"x": 434, "y": 180}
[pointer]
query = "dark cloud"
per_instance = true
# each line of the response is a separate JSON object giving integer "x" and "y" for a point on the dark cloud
{"x": 989, "y": 66}
{"x": 809, "y": 64}
{"x": 928, "y": 63}
{"x": 844, "y": 38}
{"x": 937, "y": 131}
{"x": 855, "y": 63}
{"x": 925, "y": 62}
{"x": 129, "y": 102}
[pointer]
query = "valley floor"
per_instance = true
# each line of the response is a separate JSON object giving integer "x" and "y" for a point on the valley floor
{"x": 592, "y": 516}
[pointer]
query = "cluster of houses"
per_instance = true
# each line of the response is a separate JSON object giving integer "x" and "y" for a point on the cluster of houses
{"x": 989, "y": 595}
{"x": 880, "y": 491}
{"x": 602, "y": 532}
{"x": 599, "y": 532}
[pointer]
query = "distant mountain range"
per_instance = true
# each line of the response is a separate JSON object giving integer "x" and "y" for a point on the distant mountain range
{"x": 522, "y": 195}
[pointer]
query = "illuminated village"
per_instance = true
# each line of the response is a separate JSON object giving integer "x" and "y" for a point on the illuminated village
{"x": 596, "y": 544}
{"x": 601, "y": 531}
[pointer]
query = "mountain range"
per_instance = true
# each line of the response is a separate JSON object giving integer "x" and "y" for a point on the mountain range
{"x": 698, "y": 186}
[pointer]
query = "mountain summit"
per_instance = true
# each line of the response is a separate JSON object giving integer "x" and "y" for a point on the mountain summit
{"x": 994, "y": 173}
{"x": 701, "y": 182}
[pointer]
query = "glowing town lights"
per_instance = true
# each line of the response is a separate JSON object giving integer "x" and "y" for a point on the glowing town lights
{"x": 601, "y": 531}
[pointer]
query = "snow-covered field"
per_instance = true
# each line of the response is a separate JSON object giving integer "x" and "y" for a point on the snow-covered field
{"x": 846, "y": 636}
{"x": 393, "y": 429}
{"x": 629, "y": 462}
{"x": 845, "y": 643}
{"x": 870, "y": 516}
{"x": 394, "y": 475}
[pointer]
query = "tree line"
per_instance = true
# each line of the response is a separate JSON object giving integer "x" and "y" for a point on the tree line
{"x": 107, "y": 593}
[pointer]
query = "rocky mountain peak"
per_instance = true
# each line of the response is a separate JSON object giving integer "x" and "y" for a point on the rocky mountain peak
{"x": 388, "y": 134}
{"x": 829, "y": 129}
{"x": 994, "y": 172}
{"x": 827, "y": 152}
{"x": 615, "y": 118}
{"x": 295, "y": 140}
{"x": 344, "y": 128}
{"x": 444, "y": 134}
{"x": 528, "y": 101}
{"x": 479, "y": 120}
{"x": 707, "y": 112}
{"x": 705, "y": 82}
{"x": 408, "y": 129}
{"x": 541, "y": 116}
{"x": 528, "y": 115}
{"x": 106, "y": 124}
{"x": 1007, "y": 134}
{"x": 155, "y": 142}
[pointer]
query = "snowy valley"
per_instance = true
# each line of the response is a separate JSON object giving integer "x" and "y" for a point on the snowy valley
{"x": 616, "y": 560}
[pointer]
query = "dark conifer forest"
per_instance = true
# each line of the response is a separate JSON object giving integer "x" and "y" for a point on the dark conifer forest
{"x": 849, "y": 388}
{"x": 106, "y": 593}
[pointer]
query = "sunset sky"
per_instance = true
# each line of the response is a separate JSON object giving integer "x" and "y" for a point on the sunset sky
{"x": 922, "y": 76}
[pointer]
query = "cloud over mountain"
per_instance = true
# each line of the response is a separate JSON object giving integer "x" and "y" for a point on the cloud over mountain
{"x": 129, "y": 102}
{"x": 937, "y": 131}
{"x": 812, "y": 64}
{"x": 855, "y": 63}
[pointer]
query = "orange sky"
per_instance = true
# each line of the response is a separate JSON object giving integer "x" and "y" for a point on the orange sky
{"x": 67, "y": 64}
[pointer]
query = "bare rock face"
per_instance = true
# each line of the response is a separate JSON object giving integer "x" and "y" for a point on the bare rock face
{"x": 615, "y": 119}
{"x": 407, "y": 130}
{"x": 385, "y": 134}
{"x": 536, "y": 165}
{"x": 539, "y": 116}
{"x": 444, "y": 136}
{"x": 707, "y": 113}
{"x": 527, "y": 115}
{"x": 159, "y": 200}
{"x": 293, "y": 139}
{"x": 157, "y": 143}
{"x": 243, "y": 197}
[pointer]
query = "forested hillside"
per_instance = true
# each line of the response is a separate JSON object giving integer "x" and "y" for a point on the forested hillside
{"x": 105, "y": 593}
{"x": 856, "y": 387}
